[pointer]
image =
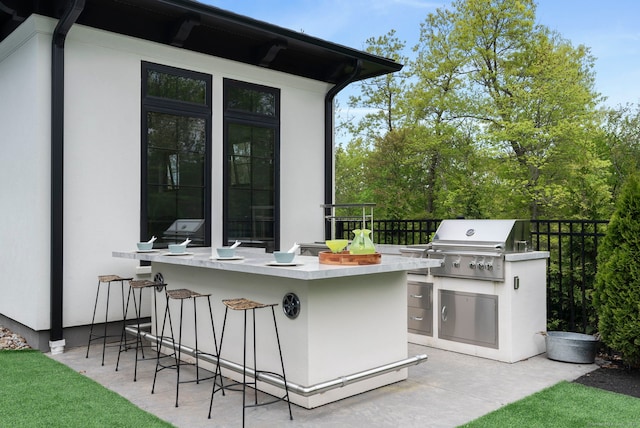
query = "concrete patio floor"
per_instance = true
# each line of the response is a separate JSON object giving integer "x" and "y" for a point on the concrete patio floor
{"x": 447, "y": 390}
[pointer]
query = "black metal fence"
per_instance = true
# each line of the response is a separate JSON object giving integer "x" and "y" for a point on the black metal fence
{"x": 573, "y": 249}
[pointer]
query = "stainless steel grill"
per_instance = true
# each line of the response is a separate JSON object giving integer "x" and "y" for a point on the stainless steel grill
{"x": 474, "y": 248}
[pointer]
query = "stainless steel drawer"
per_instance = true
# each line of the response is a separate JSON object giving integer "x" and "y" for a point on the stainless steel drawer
{"x": 420, "y": 295}
{"x": 420, "y": 321}
{"x": 420, "y": 307}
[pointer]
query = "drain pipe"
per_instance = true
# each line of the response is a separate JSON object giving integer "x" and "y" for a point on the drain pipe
{"x": 328, "y": 137}
{"x": 305, "y": 391}
{"x": 71, "y": 14}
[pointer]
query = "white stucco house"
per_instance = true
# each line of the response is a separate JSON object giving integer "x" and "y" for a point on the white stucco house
{"x": 126, "y": 119}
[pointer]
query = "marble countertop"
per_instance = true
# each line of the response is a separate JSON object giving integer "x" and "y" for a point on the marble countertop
{"x": 253, "y": 261}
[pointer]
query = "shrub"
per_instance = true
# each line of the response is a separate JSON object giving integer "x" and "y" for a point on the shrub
{"x": 617, "y": 287}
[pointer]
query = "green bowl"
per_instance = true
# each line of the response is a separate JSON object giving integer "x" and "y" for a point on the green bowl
{"x": 337, "y": 245}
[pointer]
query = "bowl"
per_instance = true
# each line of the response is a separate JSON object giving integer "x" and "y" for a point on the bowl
{"x": 283, "y": 256}
{"x": 226, "y": 252}
{"x": 177, "y": 248}
{"x": 145, "y": 246}
{"x": 337, "y": 245}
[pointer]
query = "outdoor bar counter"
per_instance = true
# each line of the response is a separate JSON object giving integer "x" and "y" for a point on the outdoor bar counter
{"x": 350, "y": 332}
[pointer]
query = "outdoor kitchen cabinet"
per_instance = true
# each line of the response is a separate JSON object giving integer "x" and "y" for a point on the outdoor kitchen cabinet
{"x": 420, "y": 307}
{"x": 468, "y": 318}
{"x": 489, "y": 290}
{"x": 499, "y": 320}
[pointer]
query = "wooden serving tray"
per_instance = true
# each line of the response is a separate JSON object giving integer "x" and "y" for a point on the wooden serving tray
{"x": 346, "y": 258}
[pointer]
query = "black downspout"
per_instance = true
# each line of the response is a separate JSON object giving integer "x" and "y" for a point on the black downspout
{"x": 71, "y": 14}
{"x": 328, "y": 138}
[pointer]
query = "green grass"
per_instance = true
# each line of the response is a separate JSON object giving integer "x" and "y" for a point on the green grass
{"x": 566, "y": 405}
{"x": 36, "y": 391}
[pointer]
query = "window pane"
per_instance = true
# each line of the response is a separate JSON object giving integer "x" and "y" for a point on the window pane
{"x": 252, "y": 123}
{"x": 263, "y": 140}
{"x": 239, "y": 207}
{"x": 176, "y": 150}
{"x": 251, "y": 101}
{"x": 176, "y": 143}
{"x": 263, "y": 173}
{"x": 174, "y": 87}
{"x": 189, "y": 203}
{"x": 252, "y": 156}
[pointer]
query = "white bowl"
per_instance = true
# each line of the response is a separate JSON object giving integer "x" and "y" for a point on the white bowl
{"x": 283, "y": 256}
{"x": 177, "y": 248}
{"x": 226, "y": 252}
{"x": 145, "y": 246}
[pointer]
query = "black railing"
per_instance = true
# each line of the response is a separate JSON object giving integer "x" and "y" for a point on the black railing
{"x": 573, "y": 249}
{"x": 571, "y": 271}
{"x": 398, "y": 232}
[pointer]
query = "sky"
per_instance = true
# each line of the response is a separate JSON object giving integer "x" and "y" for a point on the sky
{"x": 609, "y": 28}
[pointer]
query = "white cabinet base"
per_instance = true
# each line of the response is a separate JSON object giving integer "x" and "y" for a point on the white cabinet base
{"x": 522, "y": 313}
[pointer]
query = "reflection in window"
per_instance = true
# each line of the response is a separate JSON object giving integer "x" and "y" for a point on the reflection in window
{"x": 249, "y": 100}
{"x": 176, "y": 185}
{"x": 181, "y": 88}
{"x": 251, "y": 146}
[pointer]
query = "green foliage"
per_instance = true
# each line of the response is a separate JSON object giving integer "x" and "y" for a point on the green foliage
{"x": 565, "y": 405}
{"x": 351, "y": 185}
{"x": 492, "y": 104}
{"x": 379, "y": 95}
{"x": 36, "y": 391}
{"x": 617, "y": 288}
{"x": 620, "y": 143}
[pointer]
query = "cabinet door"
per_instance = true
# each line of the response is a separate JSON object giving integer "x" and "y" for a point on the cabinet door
{"x": 468, "y": 318}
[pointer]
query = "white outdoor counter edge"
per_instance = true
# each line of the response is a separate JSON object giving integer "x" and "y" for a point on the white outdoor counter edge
{"x": 255, "y": 262}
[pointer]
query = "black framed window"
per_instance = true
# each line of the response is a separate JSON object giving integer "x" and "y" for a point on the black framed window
{"x": 176, "y": 155}
{"x": 251, "y": 170}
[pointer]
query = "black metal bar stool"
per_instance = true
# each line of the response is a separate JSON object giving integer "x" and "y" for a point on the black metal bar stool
{"x": 245, "y": 305}
{"x": 139, "y": 286}
{"x": 182, "y": 295}
{"x": 106, "y": 280}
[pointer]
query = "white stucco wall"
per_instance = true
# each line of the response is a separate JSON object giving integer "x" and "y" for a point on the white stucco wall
{"x": 102, "y": 159}
{"x": 25, "y": 175}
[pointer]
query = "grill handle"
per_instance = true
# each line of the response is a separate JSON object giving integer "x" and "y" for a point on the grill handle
{"x": 460, "y": 244}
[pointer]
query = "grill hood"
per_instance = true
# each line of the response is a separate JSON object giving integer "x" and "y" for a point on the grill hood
{"x": 505, "y": 236}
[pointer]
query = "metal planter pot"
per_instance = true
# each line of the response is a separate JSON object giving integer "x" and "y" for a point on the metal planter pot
{"x": 571, "y": 347}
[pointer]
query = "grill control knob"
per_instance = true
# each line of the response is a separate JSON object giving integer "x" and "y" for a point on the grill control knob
{"x": 472, "y": 265}
{"x": 489, "y": 266}
{"x": 481, "y": 266}
{"x": 456, "y": 263}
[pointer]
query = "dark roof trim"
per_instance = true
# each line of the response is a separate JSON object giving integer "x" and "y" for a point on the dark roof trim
{"x": 213, "y": 31}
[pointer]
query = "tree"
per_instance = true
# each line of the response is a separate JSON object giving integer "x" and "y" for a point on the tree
{"x": 351, "y": 173}
{"x": 442, "y": 140}
{"x": 379, "y": 95}
{"x": 620, "y": 143}
{"x": 533, "y": 94}
{"x": 493, "y": 104}
{"x": 617, "y": 288}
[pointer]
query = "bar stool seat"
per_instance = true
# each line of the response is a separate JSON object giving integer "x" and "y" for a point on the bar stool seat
{"x": 139, "y": 286}
{"x": 182, "y": 295}
{"x": 106, "y": 280}
{"x": 243, "y": 304}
